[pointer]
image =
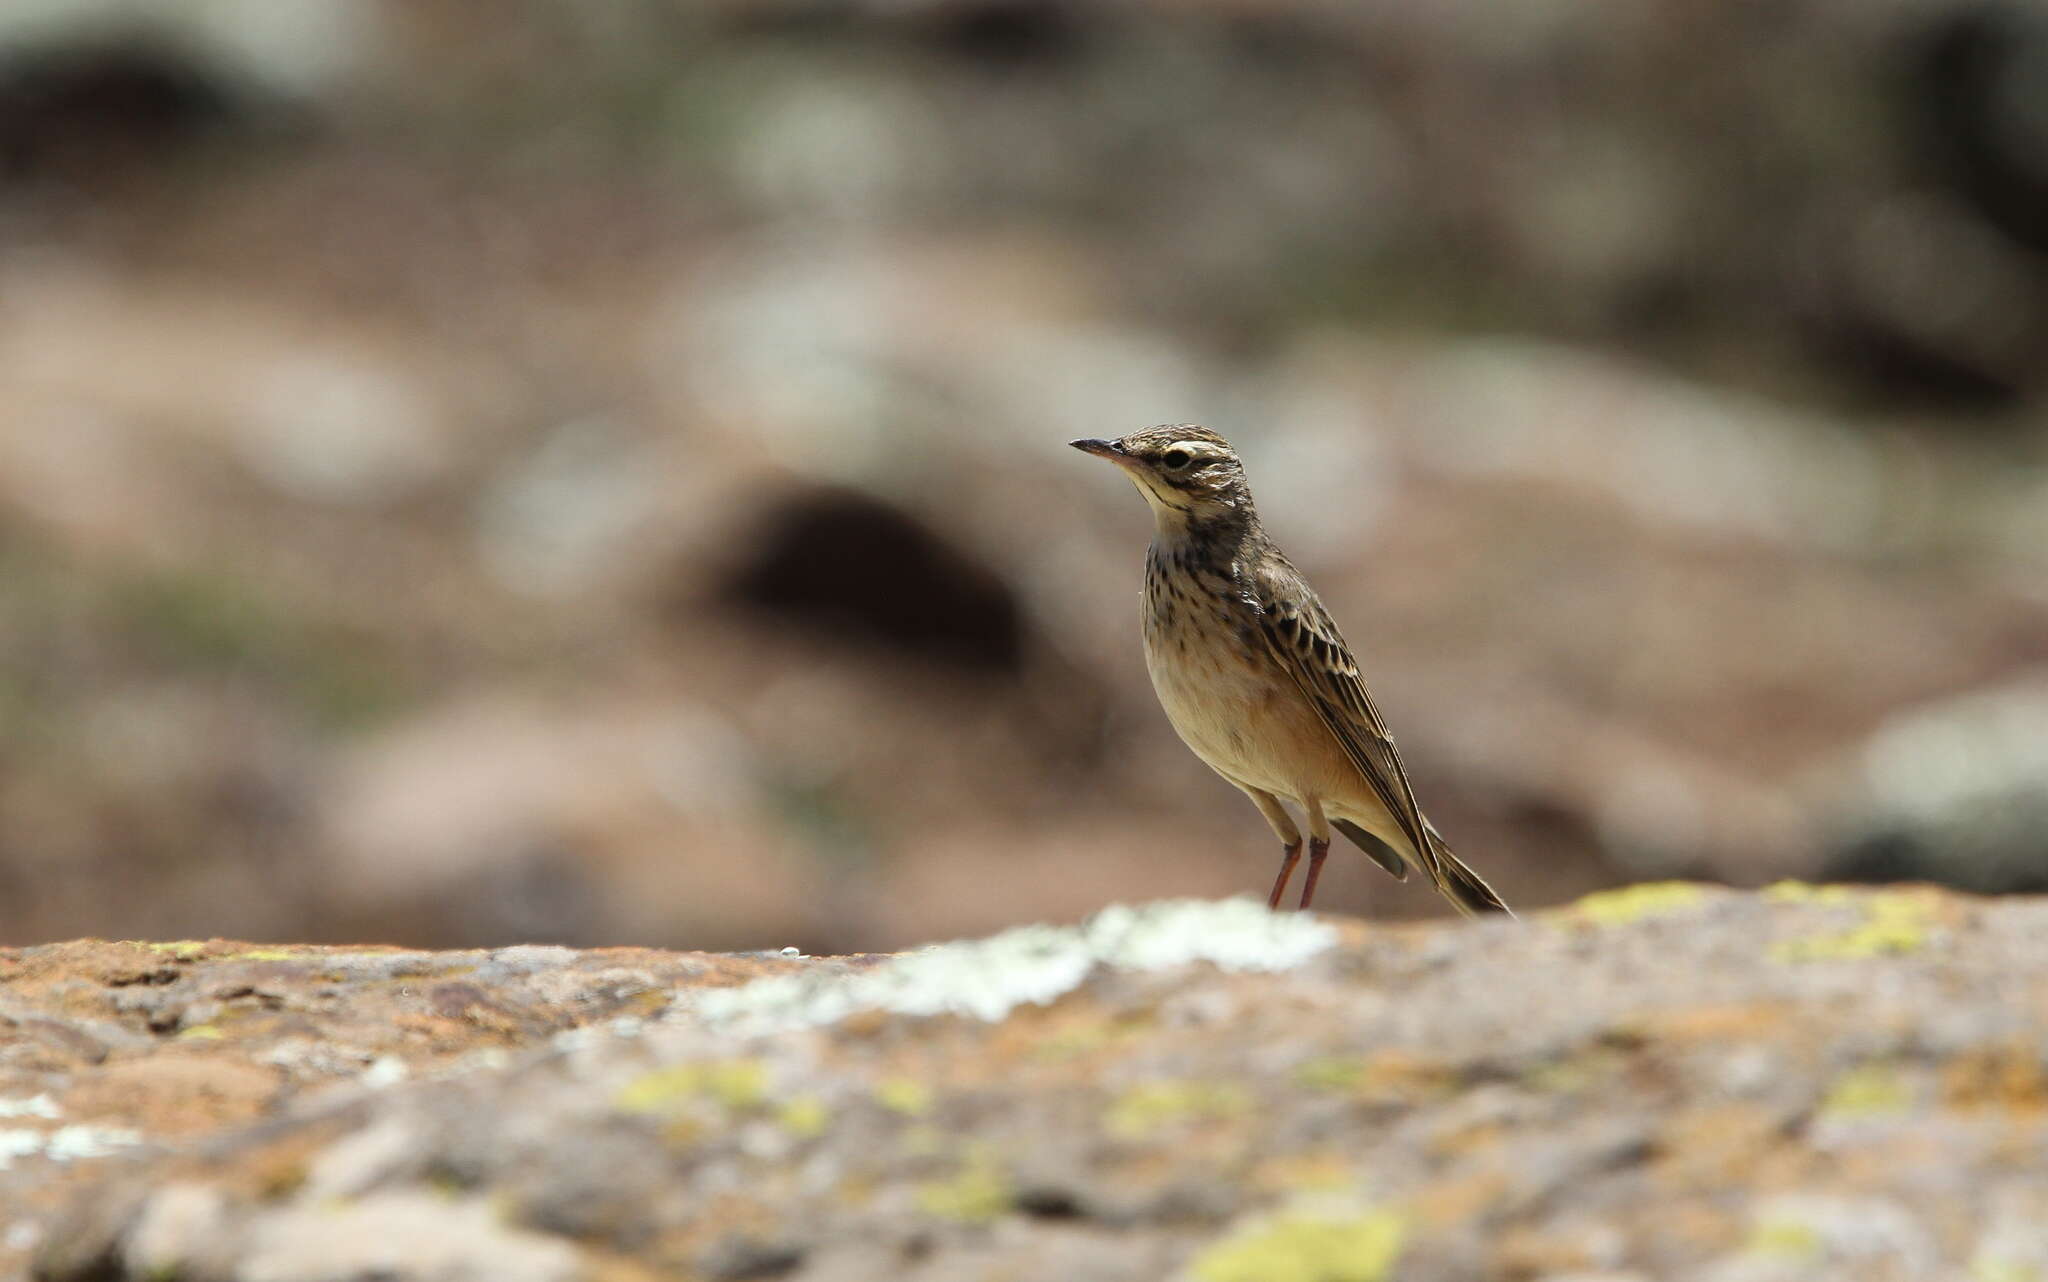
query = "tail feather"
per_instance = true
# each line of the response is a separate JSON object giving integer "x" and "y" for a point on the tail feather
{"x": 1466, "y": 889}
{"x": 1452, "y": 876}
{"x": 1379, "y": 851}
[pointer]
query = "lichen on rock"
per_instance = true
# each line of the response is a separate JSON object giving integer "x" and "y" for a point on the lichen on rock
{"x": 1209, "y": 1093}
{"x": 986, "y": 979}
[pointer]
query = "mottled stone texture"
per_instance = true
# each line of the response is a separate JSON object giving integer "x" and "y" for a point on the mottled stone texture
{"x": 1666, "y": 1082}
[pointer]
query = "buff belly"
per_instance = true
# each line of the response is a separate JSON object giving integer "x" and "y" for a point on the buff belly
{"x": 1249, "y": 723}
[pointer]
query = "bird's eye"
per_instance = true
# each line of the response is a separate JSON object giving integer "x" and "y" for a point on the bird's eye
{"x": 1175, "y": 460}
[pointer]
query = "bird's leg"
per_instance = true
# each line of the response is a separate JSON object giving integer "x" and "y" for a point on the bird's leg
{"x": 1290, "y": 855}
{"x": 1318, "y": 847}
{"x": 1283, "y": 828}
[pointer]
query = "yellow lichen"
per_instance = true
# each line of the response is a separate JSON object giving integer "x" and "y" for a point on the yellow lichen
{"x": 1389, "y": 1075}
{"x": 1896, "y": 923}
{"x": 1143, "y": 1110}
{"x": 1805, "y": 892}
{"x": 1874, "y": 1090}
{"x": 1634, "y": 903}
{"x": 1570, "y": 1076}
{"x": 805, "y": 1117}
{"x": 201, "y": 1033}
{"x": 1330, "y": 1074}
{"x": 1307, "y": 1248}
{"x": 904, "y": 1095}
{"x": 1784, "y": 1238}
{"x": 980, "y": 1192}
{"x": 1992, "y": 1268}
{"x": 183, "y": 950}
{"x": 737, "y": 1085}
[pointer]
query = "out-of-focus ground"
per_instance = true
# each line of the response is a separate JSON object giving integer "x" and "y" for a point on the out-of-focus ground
{"x": 1660, "y": 1082}
{"x": 472, "y": 474}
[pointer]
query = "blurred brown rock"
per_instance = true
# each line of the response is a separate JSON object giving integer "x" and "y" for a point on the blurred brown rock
{"x": 1663, "y": 1081}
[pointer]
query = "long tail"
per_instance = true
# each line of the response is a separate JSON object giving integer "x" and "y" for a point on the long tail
{"x": 1382, "y": 854}
{"x": 1467, "y": 890}
{"x": 1452, "y": 876}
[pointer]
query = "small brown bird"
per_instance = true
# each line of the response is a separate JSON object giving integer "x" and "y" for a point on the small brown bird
{"x": 1256, "y": 678}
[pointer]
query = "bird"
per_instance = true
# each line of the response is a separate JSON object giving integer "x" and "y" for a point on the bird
{"x": 1257, "y": 680}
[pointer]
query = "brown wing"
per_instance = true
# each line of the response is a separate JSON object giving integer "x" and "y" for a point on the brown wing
{"x": 1301, "y": 632}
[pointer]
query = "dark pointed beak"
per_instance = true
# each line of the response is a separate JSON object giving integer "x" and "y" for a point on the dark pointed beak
{"x": 1100, "y": 449}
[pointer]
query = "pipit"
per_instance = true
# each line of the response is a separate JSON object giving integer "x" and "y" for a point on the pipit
{"x": 1255, "y": 677}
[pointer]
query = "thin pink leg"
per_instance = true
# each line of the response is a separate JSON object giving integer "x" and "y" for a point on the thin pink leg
{"x": 1318, "y": 850}
{"x": 1289, "y": 856}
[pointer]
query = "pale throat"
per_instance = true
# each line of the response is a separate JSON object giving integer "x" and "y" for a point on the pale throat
{"x": 1211, "y": 536}
{"x": 1204, "y": 517}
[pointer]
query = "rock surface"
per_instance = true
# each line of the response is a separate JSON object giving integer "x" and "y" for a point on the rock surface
{"x": 1663, "y": 1082}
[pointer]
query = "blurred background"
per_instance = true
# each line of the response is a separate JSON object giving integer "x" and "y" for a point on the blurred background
{"x": 596, "y": 473}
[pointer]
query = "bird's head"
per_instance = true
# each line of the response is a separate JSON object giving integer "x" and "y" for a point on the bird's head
{"x": 1187, "y": 473}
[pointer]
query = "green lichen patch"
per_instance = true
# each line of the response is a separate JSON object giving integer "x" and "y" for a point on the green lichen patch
{"x": 1307, "y": 1247}
{"x": 1634, "y": 903}
{"x": 1393, "y": 1076}
{"x": 980, "y": 1192}
{"x": 1570, "y": 1075}
{"x": 904, "y": 1095}
{"x": 1873, "y": 1090}
{"x": 1805, "y": 892}
{"x": 1335, "y": 1073}
{"x": 1145, "y": 1110}
{"x": 737, "y": 1085}
{"x": 1896, "y": 923}
{"x": 183, "y": 950}
{"x": 1783, "y": 1238}
{"x": 805, "y": 1117}
{"x": 1987, "y": 1267}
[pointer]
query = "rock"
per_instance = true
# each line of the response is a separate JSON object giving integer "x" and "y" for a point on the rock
{"x": 1665, "y": 1081}
{"x": 853, "y": 567}
{"x": 1953, "y": 792}
{"x": 111, "y": 1049}
{"x": 286, "y": 48}
{"x": 68, "y": 111}
{"x": 1979, "y": 100}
